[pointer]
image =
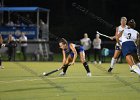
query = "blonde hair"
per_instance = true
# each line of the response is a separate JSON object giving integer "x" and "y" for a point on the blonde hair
{"x": 124, "y": 18}
{"x": 86, "y": 35}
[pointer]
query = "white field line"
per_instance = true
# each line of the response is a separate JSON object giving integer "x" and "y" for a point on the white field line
{"x": 38, "y": 79}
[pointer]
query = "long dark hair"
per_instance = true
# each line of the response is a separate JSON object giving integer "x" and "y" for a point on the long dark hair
{"x": 132, "y": 23}
{"x": 63, "y": 41}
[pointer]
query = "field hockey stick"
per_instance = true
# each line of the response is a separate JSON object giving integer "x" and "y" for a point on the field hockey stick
{"x": 103, "y": 35}
{"x": 53, "y": 71}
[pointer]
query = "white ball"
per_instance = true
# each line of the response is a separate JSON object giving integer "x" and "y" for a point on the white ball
{"x": 44, "y": 73}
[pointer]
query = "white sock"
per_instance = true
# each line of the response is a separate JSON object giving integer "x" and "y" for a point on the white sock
{"x": 113, "y": 62}
{"x": 136, "y": 69}
{"x": 130, "y": 67}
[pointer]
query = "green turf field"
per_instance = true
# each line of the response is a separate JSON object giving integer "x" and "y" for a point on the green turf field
{"x": 22, "y": 81}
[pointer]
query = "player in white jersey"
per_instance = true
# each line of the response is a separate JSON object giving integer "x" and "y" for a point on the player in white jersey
{"x": 86, "y": 42}
{"x": 129, "y": 49}
{"x": 117, "y": 47}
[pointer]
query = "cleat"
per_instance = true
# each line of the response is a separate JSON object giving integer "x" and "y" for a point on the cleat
{"x": 95, "y": 62}
{"x": 1, "y": 67}
{"x": 110, "y": 69}
{"x": 132, "y": 71}
{"x": 100, "y": 62}
{"x": 62, "y": 74}
{"x": 89, "y": 74}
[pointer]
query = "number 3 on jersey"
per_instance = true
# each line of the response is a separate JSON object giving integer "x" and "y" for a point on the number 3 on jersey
{"x": 129, "y": 36}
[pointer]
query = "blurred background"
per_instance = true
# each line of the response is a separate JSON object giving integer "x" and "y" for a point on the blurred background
{"x": 66, "y": 21}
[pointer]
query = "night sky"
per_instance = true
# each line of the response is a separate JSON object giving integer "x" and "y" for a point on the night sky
{"x": 68, "y": 22}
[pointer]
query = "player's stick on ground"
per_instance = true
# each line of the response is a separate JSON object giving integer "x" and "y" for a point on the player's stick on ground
{"x": 103, "y": 35}
{"x": 51, "y": 72}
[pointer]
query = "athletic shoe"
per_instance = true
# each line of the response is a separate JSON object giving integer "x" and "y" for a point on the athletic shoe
{"x": 62, "y": 74}
{"x": 1, "y": 67}
{"x": 110, "y": 69}
{"x": 95, "y": 62}
{"x": 132, "y": 71}
{"x": 89, "y": 74}
{"x": 100, "y": 62}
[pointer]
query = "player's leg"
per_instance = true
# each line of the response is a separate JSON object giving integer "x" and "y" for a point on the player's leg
{"x": 69, "y": 60}
{"x": 1, "y": 67}
{"x": 129, "y": 49}
{"x": 23, "y": 49}
{"x": 85, "y": 64}
{"x": 136, "y": 60}
{"x": 65, "y": 67}
{"x": 130, "y": 61}
{"x": 10, "y": 53}
{"x": 99, "y": 56}
{"x": 95, "y": 56}
{"x": 114, "y": 59}
{"x": 88, "y": 54}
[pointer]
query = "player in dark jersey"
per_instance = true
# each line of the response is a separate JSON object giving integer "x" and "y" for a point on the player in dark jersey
{"x": 1, "y": 45}
{"x": 72, "y": 50}
{"x": 9, "y": 45}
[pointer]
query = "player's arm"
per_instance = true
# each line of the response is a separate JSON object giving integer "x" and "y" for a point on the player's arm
{"x": 82, "y": 43}
{"x": 118, "y": 36}
{"x": 100, "y": 41}
{"x": 138, "y": 45}
{"x": 114, "y": 37}
{"x": 64, "y": 57}
{"x": 138, "y": 39}
{"x": 74, "y": 51}
{"x": 93, "y": 43}
{"x": 89, "y": 41}
{"x": 116, "y": 33}
{"x": 23, "y": 40}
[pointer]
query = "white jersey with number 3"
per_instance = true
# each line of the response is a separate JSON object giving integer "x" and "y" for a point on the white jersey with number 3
{"x": 129, "y": 35}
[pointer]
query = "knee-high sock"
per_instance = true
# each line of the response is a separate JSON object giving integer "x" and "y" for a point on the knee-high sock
{"x": 86, "y": 67}
{"x": 65, "y": 67}
{"x": 130, "y": 67}
{"x": 113, "y": 62}
{"x": 136, "y": 69}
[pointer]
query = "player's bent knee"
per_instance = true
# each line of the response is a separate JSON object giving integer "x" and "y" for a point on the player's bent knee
{"x": 82, "y": 60}
{"x": 67, "y": 63}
